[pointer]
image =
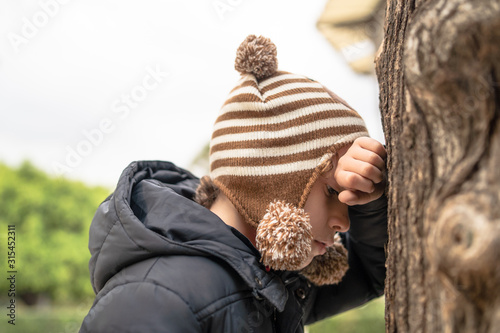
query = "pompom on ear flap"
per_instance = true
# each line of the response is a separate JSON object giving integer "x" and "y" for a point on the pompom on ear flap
{"x": 330, "y": 267}
{"x": 284, "y": 237}
{"x": 207, "y": 192}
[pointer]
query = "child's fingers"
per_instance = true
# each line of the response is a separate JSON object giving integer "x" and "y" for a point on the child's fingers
{"x": 364, "y": 169}
{"x": 359, "y": 153}
{"x": 372, "y": 145}
{"x": 354, "y": 181}
{"x": 352, "y": 198}
{"x": 348, "y": 197}
{"x": 360, "y": 172}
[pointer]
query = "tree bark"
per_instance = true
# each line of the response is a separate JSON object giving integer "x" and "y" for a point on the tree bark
{"x": 438, "y": 73}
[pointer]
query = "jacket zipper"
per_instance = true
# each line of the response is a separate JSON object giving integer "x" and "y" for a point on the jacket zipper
{"x": 274, "y": 320}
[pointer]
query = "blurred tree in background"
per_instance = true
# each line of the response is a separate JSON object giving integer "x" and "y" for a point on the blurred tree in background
{"x": 51, "y": 218}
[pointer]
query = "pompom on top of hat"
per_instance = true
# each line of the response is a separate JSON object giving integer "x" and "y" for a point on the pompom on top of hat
{"x": 257, "y": 56}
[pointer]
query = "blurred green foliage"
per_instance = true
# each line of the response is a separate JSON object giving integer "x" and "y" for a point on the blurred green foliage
{"x": 50, "y": 319}
{"x": 51, "y": 218}
{"x": 368, "y": 318}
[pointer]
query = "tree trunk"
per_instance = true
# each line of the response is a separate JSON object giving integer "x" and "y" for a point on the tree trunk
{"x": 438, "y": 72}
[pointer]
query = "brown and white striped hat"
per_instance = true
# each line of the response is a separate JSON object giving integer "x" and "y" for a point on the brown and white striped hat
{"x": 274, "y": 135}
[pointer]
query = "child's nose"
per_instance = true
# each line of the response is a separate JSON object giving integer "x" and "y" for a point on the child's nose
{"x": 339, "y": 218}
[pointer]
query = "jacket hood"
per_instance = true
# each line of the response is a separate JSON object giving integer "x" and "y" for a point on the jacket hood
{"x": 151, "y": 213}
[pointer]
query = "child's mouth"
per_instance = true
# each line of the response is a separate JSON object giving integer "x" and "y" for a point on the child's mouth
{"x": 321, "y": 247}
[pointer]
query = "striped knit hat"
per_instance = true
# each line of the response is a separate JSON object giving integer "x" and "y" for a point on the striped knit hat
{"x": 276, "y": 133}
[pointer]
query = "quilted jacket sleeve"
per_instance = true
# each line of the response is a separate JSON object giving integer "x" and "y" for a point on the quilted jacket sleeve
{"x": 364, "y": 280}
{"x": 140, "y": 307}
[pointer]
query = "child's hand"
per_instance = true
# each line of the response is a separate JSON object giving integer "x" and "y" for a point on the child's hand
{"x": 360, "y": 172}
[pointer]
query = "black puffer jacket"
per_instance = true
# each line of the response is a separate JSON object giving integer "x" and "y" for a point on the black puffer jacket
{"x": 162, "y": 263}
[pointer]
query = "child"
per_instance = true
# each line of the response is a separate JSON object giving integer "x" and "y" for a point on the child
{"x": 289, "y": 227}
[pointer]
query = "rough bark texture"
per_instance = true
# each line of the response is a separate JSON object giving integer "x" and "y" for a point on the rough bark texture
{"x": 438, "y": 72}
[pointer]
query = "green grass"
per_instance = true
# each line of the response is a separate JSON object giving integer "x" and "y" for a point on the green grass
{"x": 47, "y": 319}
{"x": 366, "y": 319}
{"x": 67, "y": 319}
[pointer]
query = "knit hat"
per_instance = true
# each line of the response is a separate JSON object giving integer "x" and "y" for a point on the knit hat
{"x": 275, "y": 134}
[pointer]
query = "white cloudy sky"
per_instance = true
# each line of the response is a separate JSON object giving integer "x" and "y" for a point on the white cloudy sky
{"x": 67, "y": 67}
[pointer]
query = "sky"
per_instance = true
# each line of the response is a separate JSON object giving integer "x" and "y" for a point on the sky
{"x": 86, "y": 87}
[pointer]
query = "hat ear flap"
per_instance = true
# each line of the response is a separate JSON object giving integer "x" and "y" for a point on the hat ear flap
{"x": 284, "y": 237}
{"x": 330, "y": 267}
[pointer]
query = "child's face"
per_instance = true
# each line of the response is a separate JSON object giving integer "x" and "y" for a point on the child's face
{"x": 327, "y": 214}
